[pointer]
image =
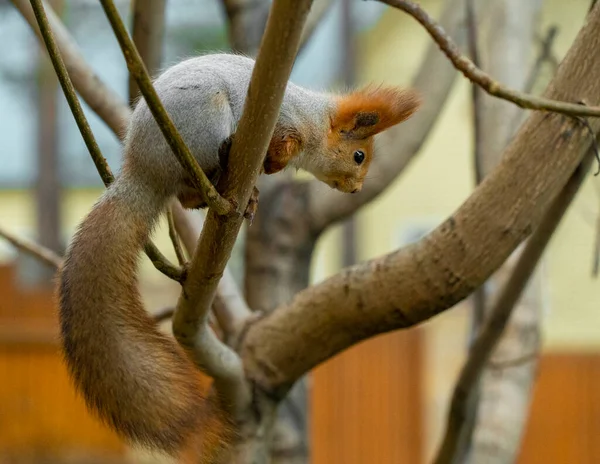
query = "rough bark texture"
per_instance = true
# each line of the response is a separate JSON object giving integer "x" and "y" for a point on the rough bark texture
{"x": 414, "y": 284}
{"x": 505, "y": 386}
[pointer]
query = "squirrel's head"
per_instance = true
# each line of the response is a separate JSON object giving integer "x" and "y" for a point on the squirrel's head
{"x": 356, "y": 119}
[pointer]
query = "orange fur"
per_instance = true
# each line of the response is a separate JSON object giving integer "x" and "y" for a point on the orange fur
{"x": 357, "y": 117}
{"x": 371, "y": 110}
{"x": 284, "y": 146}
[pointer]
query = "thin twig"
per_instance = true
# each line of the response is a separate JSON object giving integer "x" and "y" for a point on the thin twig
{"x": 163, "y": 315}
{"x": 36, "y": 250}
{"x": 502, "y": 310}
{"x": 482, "y": 79}
{"x": 159, "y": 261}
{"x": 70, "y": 95}
{"x": 315, "y": 17}
{"x": 173, "y": 235}
{"x": 472, "y": 41}
{"x": 147, "y": 35}
{"x": 182, "y": 152}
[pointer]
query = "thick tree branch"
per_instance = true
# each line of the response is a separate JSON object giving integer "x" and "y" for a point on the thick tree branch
{"x": 398, "y": 146}
{"x": 413, "y": 284}
{"x": 494, "y": 325}
{"x": 36, "y": 250}
{"x": 180, "y": 150}
{"x": 229, "y": 306}
{"x": 159, "y": 261}
{"x": 147, "y": 35}
{"x": 484, "y": 80}
{"x": 101, "y": 99}
{"x": 261, "y": 110}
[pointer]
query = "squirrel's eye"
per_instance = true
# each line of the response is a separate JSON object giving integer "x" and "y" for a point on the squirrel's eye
{"x": 359, "y": 156}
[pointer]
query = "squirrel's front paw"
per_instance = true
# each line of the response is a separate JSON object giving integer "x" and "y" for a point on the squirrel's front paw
{"x": 252, "y": 205}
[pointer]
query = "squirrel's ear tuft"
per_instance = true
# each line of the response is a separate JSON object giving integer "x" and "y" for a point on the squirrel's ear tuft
{"x": 368, "y": 111}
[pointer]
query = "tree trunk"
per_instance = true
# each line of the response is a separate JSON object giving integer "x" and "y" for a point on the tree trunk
{"x": 505, "y": 385}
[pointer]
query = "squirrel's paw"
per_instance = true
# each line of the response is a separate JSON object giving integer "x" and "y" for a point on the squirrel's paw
{"x": 252, "y": 205}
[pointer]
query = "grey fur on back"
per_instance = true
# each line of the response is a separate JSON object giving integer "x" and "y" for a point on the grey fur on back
{"x": 205, "y": 96}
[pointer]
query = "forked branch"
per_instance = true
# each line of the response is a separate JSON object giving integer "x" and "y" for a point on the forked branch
{"x": 482, "y": 79}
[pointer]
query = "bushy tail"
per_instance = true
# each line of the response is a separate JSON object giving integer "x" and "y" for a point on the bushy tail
{"x": 135, "y": 378}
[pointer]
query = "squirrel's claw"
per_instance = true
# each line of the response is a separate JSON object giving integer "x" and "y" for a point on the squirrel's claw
{"x": 252, "y": 205}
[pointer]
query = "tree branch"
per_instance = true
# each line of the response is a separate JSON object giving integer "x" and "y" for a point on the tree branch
{"x": 508, "y": 54}
{"x": 494, "y": 325}
{"x": 229, "y": 306}
{"x": 159, "y": 261}
{"x": 413, "y": 284}
{"x": 397, "y": 146}
{"x": 482, "y": 79}
{"x": 36, "y": 250}
{"x": 173, "y": 234}
{"x": 101, "y": 99}
{"x": 147, "y": 35}
{"x": 261, "y": 109}
{"x": 316, "y": 15}
{"x": 180, "y": 150}
{"x": 247, "y": 19}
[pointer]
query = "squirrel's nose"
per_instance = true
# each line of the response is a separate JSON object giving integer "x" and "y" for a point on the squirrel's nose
{"x": 355, "y": 191}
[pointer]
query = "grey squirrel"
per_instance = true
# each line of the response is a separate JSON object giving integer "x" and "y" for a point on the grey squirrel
{"x": 139, "y": 381}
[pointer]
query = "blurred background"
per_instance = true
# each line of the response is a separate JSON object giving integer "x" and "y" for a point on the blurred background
{"x": 384, "y": 401}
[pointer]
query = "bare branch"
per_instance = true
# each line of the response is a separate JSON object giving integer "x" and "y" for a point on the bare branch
{"x": 397, "y": 146}
{"x": 180, "y": 150}
{"x": 508, "y": 53}
{"x": 484, "y": 80}
{"x": 261, "y": 110}
{"x": 163, "y": 315}
{"x": 500, "y": 314}
{"x": 147, "y": 35}
{"x": 36, "y": 250}
{"x": 316, "y": 15}
{"x": 413, "y": 284}
{"x": 159, "y": 261}
{"x": 101, "y": 99}
{"x": 229, "y": 306}
{"x": 173, "y": 235}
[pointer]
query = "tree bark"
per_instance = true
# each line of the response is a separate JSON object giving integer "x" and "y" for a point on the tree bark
{"x": 504, "y": 390}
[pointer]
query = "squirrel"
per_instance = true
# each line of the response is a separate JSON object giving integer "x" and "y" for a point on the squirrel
{"x": 139, "y": 381}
